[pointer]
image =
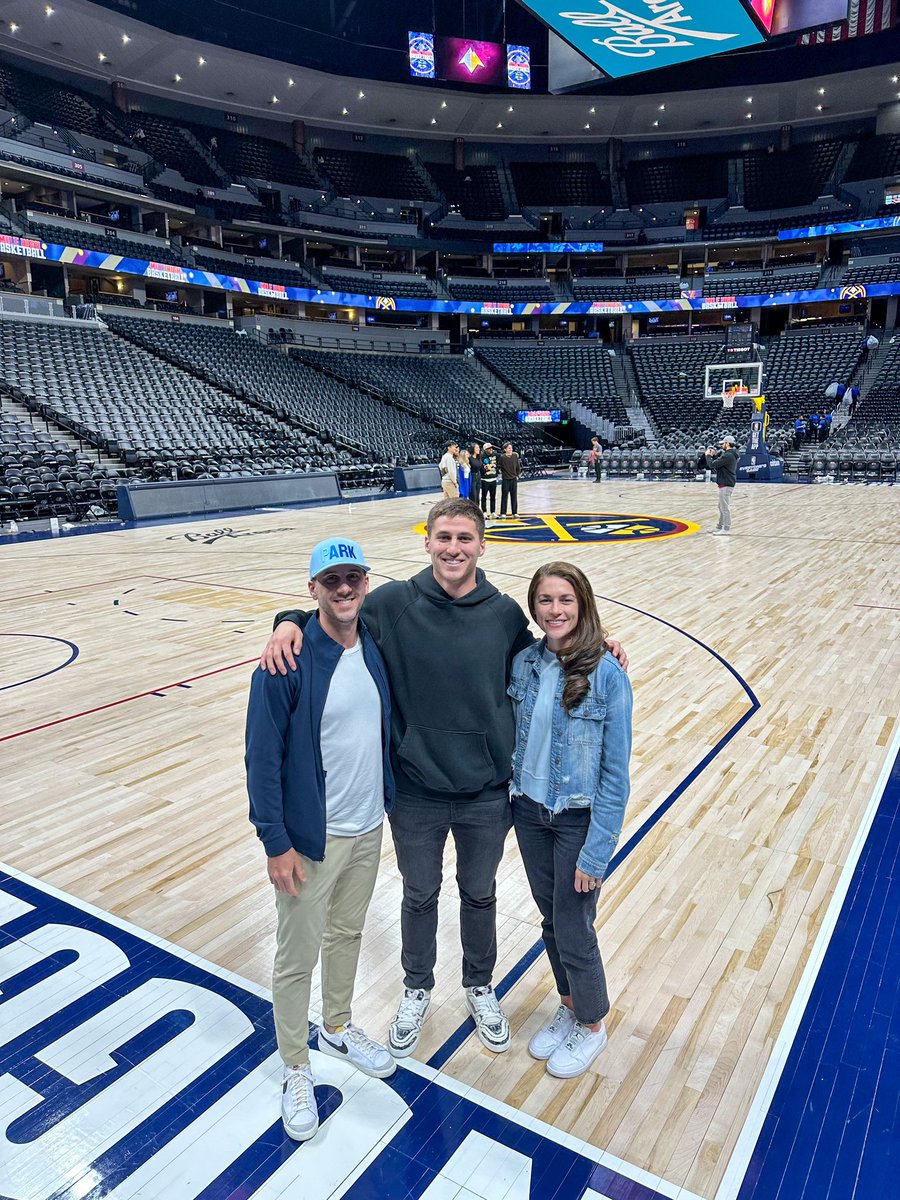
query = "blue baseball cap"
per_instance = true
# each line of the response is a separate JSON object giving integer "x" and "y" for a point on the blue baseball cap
{"x": 336, "y": 552}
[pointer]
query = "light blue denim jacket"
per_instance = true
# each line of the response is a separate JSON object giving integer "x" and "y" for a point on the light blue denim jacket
{"x": 590, "y": 749}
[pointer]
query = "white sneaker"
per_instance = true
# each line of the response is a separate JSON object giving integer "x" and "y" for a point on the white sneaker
{"x": 721, "y": 531}
{"x": 553, "y": 1034}
{"x": 407, "y": 1025}
{"x": 577, "y": 1052}
{"x": 299, "y": 1113}
{"x": 490, "y": 1024}
{"x": 351, "y": 1044}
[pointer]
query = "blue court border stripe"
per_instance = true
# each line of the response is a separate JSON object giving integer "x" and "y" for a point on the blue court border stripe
{"x": 512, "y": 977}
{"x": 831, "y": 1126}
{"x": 47, "y": 638}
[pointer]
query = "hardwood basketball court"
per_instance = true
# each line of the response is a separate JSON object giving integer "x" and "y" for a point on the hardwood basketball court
{"x": 765, "y": 668}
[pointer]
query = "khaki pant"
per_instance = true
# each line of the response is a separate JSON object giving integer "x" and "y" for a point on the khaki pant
{"x": 328, "y": 914}
{"x": 449, "y": 488}
{"x": 725, "y": 507}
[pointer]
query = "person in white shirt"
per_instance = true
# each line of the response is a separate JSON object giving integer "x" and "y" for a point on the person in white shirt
{"x": 449, "y": 466}
{"x": 320, "y": 779}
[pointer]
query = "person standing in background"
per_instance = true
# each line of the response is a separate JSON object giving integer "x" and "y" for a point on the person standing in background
{"x": 449, "y": 467}
{"x": 465, "y": 476}
{"x": 489, "y": 481}
{"x": 510, "y": 470}
{"x": 724, "y": 463}
{"x": 475, "y": 467}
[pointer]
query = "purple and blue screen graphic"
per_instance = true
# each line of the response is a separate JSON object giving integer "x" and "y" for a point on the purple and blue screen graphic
{"x": 460, "y": 60}
{"x": 421, "y": 55}
{"x": 518, "y": 66}
{"x": 548, "y": 247}
{"x": 809, "y": 231}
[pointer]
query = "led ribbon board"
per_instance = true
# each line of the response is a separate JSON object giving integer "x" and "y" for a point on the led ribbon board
{"x": 628, "y": 37}
{"x": 809, "y": 231}
{"x": 548, "y": 247}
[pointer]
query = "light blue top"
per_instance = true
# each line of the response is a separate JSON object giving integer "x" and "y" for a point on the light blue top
{"x": 536, "y": 762}
{"x": 589, "y": 749}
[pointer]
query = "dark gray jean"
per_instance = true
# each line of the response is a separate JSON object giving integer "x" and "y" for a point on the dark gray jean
{"x": 550, "y": 845}
{"x": 420, "y": 829}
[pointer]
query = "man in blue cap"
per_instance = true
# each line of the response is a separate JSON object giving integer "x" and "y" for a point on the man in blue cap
{"x": 320, "y": 780}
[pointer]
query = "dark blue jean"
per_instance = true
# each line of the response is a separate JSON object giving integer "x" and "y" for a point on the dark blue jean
{"x": 420, "y": 829}
{"x": 550, "y": 845}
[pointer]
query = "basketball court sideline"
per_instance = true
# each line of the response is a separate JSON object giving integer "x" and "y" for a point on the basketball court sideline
{"x": 764, "y": 667}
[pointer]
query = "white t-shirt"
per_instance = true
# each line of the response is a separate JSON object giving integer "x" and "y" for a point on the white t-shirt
{"x": 451, "y": 466}
{"x": 351, "y": 749}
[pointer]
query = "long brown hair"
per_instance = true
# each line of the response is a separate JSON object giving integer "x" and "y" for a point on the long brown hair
{"x": 588, "y": 644}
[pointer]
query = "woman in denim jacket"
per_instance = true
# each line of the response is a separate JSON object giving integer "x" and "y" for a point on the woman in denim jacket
{"x": 569, "y": 790}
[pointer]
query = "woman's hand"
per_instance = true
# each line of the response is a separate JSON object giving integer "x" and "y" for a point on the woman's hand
{"x": 586, "y": 883}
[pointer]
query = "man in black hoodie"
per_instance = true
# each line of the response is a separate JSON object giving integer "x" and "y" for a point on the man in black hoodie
{"x": 452, "y": 736}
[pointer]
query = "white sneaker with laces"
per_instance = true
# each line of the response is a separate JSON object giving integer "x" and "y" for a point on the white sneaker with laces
{"x": 577, "y": 1052}
{"x": 490, "y": 1024}
{"x": 299, "y": 1113}
{"x": 553, "y": 1034}
{"x": 407, "y": 1025}
{"x": 352, "y": 1045}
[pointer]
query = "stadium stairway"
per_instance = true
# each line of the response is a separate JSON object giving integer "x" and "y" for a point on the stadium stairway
{"x": 640, "y": 421}
{"x": 60, "y": 432}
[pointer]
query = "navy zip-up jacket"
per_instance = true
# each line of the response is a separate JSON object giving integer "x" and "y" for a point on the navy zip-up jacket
{"x": 285, "y": 777}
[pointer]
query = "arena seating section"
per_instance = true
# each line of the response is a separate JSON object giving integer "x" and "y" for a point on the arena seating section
{"x": 43, "y": 476}
{"x": 146, "y": 411}
{"x": 670, "y": 380}
{"x": 54, "y": 104}
{"x": 561, "y": 184}
{"x": 673, "y": 180}
{"x": 171, "y": 144}
{"x": 245, "y": 154}
{"x": 475, "y": 191}
{"x": 799, "y": 366}
{"x": 449, "y": 389}
{"x": 365, "y": 283}
{"x": 515, "y": 291}
{"x": 654, "y": 287}
{"x": 787, "y": 179}
{"x": 748, "y": 283}
{"x": 552, "y": 376}
{"x": 291, "y": 389}
{"x": 358, "y": 174}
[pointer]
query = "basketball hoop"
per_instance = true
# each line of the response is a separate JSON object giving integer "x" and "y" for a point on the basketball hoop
{"x": 728, "y": 399}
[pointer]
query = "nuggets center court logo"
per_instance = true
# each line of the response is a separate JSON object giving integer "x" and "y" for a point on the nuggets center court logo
{"x": 557, "y": 529}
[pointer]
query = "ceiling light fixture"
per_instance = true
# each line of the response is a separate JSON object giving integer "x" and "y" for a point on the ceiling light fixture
{"x": 274, "y": 100}
{"x": 48, "y": 10}
{"x": 361, "y": 96}
{"x": 499, "y": 124}
{"x": 587, "y": 126}
{"x": 13, "y": 27}
{"x": 748, "y": 116}
{"x": 895, "y": 79}
{"x": 176, "y": 78}
{"x": 510, "y": 109}
{"x": 101, "y": 56}
{"x": 345, "y": 112}
{"x": 655, "y": 123}
{"x": 443, "y": 104}
{"x": 662, "y": 108}
{"x": 125, "y": 39}
{"x": 749, "y": 99}
{"x": 201, "y": 61}
{"x": 290, "y": 83}
{"x": 592, "y": 110}
{"x": 818, "y": 108}
{"x": 434, "y": 120}
{"x": 821, "y": 91}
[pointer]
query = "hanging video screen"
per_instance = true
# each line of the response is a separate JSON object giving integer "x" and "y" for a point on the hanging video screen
{"x": 463, "y": 60}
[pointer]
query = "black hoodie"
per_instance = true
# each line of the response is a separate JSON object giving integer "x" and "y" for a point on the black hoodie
{"x": 452, "y": 730}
